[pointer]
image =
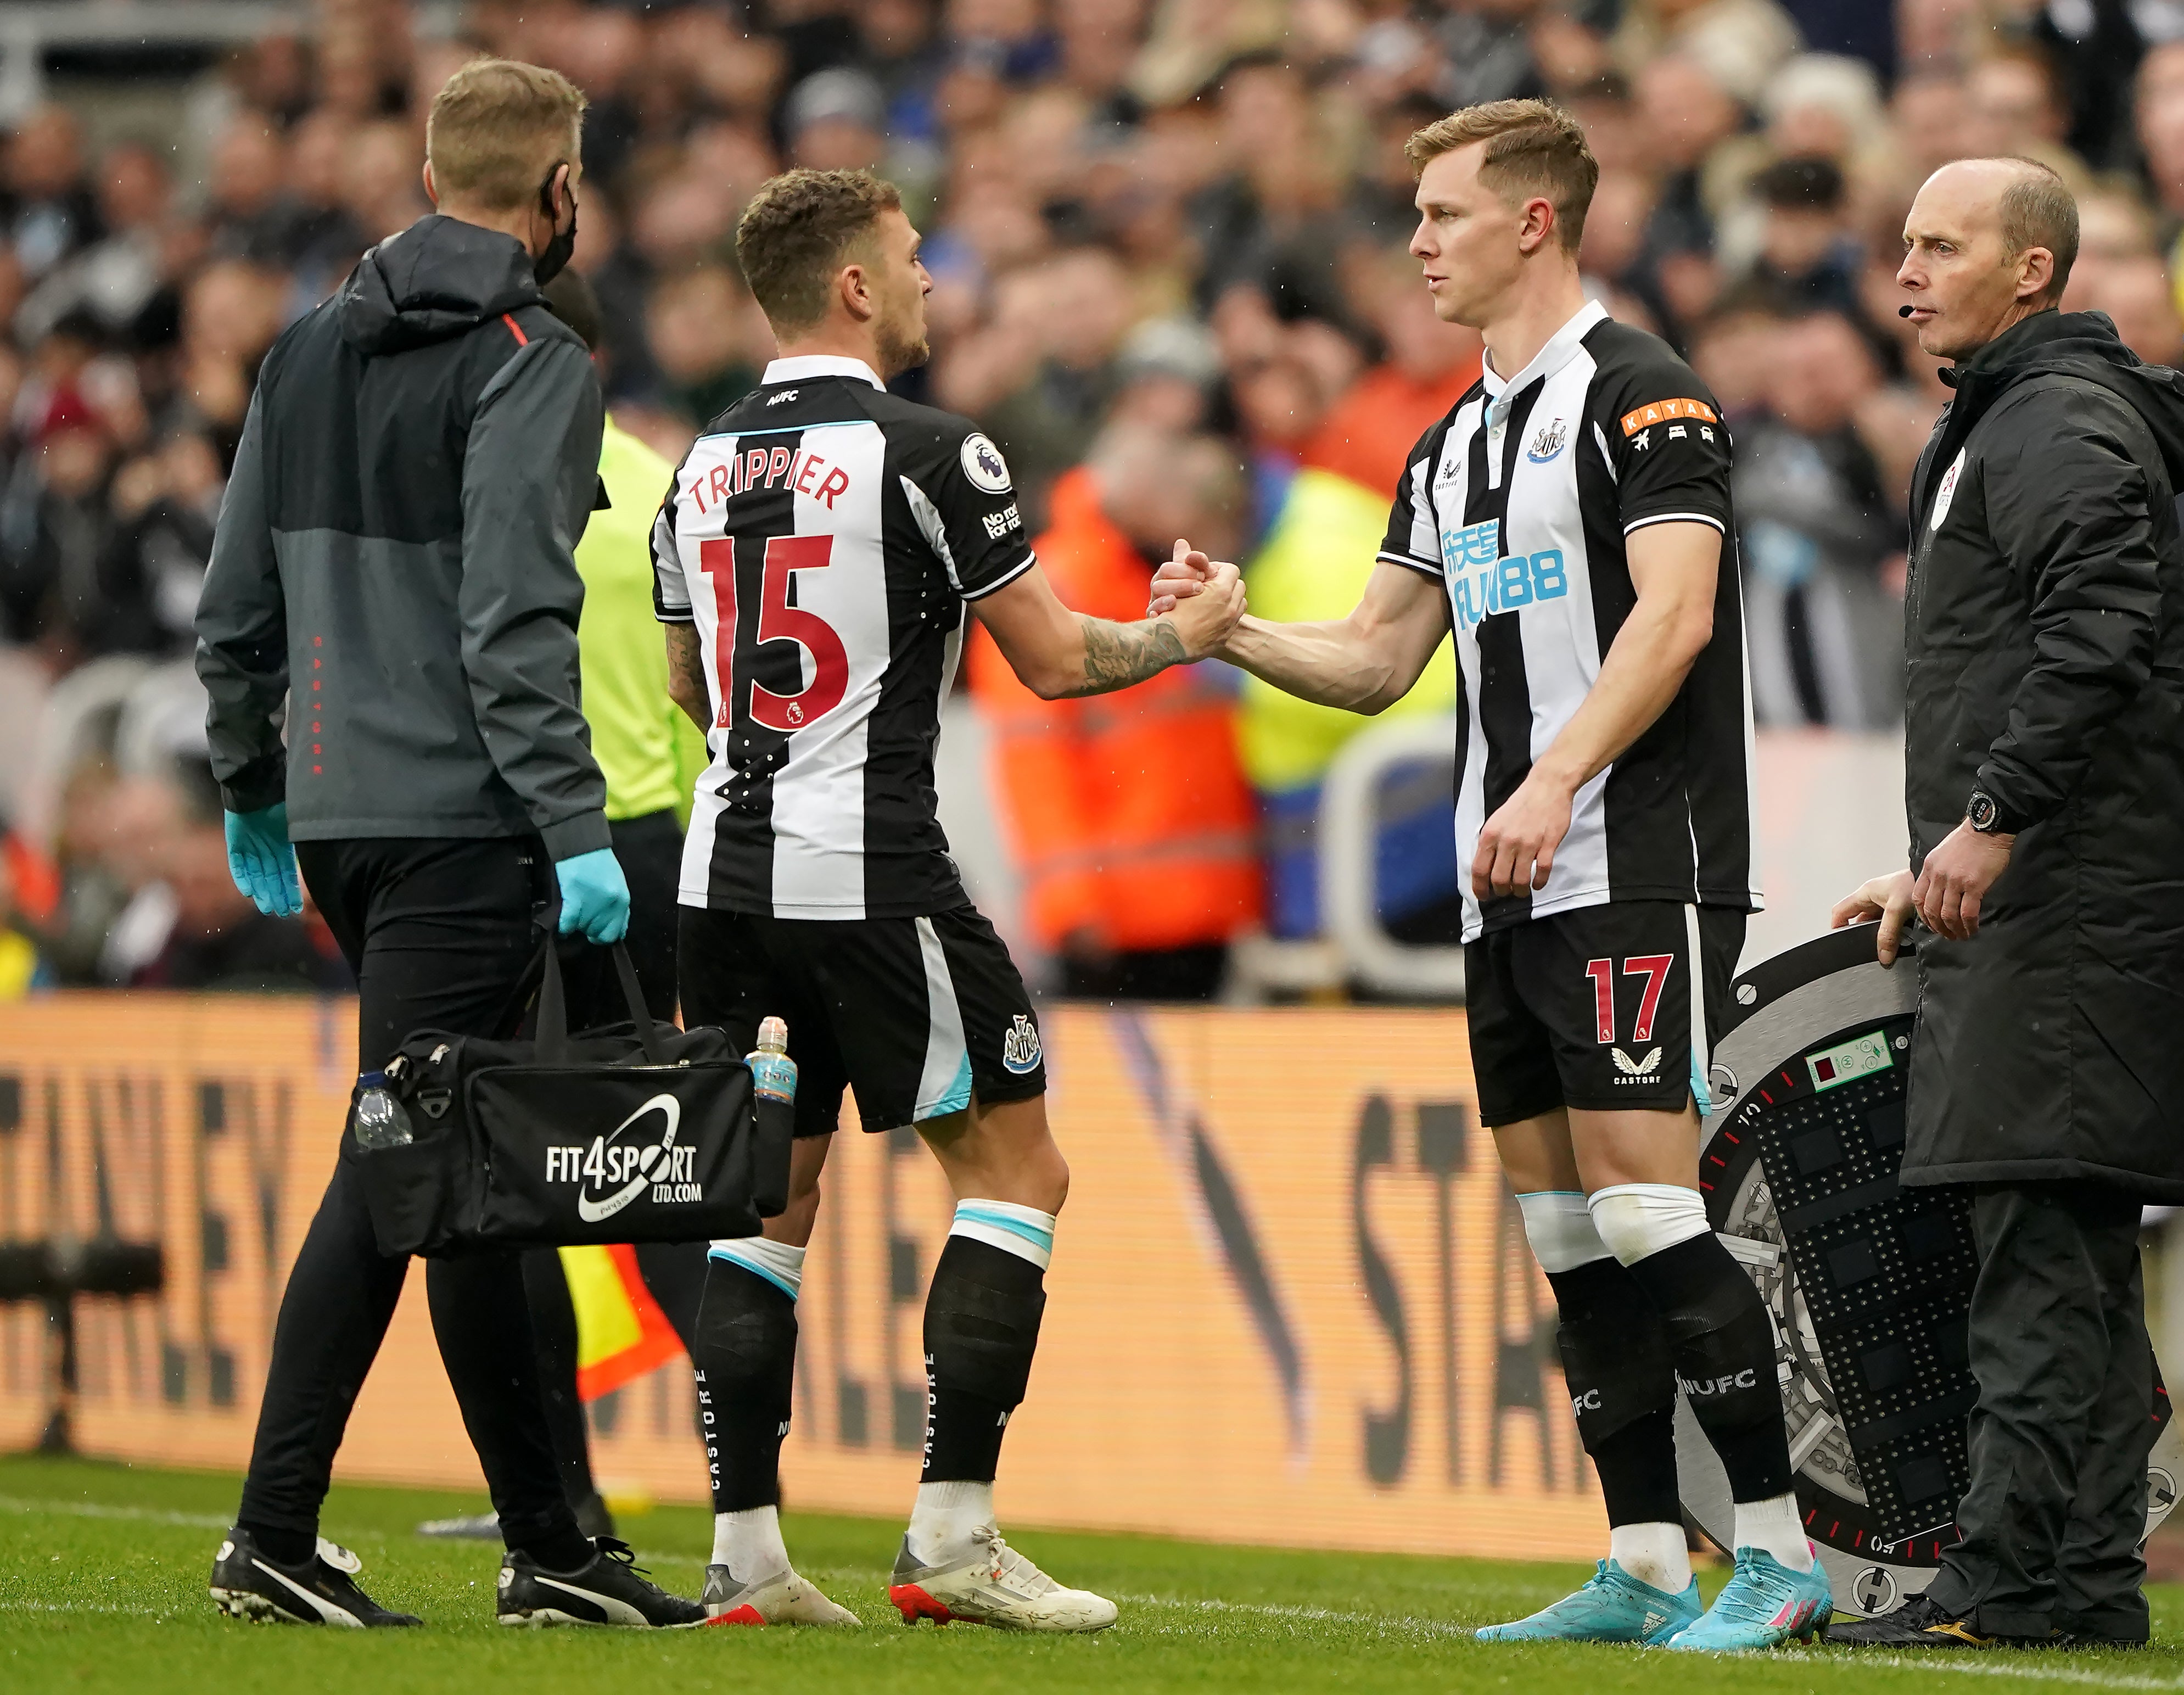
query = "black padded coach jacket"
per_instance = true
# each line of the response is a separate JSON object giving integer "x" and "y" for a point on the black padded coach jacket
{"x": 2044, "y": 643}
{"x": 394, "y": 555}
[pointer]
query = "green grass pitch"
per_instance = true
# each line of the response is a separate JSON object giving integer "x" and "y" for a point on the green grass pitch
{"x": 102, "y": 1587}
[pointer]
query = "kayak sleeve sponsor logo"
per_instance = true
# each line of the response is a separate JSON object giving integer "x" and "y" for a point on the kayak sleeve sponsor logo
{"x": 614, "y": 1170}
{"x": 1666, "y": 412}
{"x": 1483, "y": 580}
{"x": 983, "y": 465}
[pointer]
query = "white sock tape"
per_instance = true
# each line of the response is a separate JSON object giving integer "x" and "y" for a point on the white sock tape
{"x": 1637, "y": 1220}
{"x": 1559, "y": 1227}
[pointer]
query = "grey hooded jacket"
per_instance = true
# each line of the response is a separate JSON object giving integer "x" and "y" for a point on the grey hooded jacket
{"x": 394, "y": 560}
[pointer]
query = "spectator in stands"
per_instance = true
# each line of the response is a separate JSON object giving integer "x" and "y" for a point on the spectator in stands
{"x": 1738, "y": 42}
{"x": 113, "y": 280}
{"x": 1822, "y": 542}
{"x": 703, "y": 331}
{"x": 2137, "y": 294}
{"x": 23, "y": 968}
{"x": 29, "y": 895}
{"x": 1808, "y": 256}
{"x": 1684, "y": 115}
{"x": 54, "y": 526}
{"x": 1320, "y": 546}
{"x": 1139, "y": 868}
{"x": 216, "y": 940}
{"x": 46, "y": 209}
{"x": 1041, "y": 377}
{"x": 250, "y": 215}
{"x": 1427, "y": 365}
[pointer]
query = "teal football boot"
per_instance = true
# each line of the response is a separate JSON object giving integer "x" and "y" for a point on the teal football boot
{"x": 1612, "y": 1607}
{"x": 1763, "y": 1604}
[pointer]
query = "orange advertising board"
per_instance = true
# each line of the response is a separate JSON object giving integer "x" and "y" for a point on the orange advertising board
{"x": 1290, "y": 1301}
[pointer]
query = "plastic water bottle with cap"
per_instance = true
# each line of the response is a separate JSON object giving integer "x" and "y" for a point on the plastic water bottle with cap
{"x": 773, "y": 1073}
{"x": 382, "y": 1121}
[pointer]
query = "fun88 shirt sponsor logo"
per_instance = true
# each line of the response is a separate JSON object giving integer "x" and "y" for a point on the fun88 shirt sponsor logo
{"x": 1483, "y": 580}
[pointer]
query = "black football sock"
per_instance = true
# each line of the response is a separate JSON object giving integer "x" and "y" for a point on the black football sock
{"x": 746, "y": 1364}
{"x": 982, "y": 1318}
{"x": 1723, "y": 1345}
{"x": 1622, "y": 1387}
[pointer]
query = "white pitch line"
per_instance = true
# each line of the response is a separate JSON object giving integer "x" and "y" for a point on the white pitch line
{"x": 1439, "y": 1627}
{"x": 80, "y": 1607}
{"x": 91, "y": 1509}
{"x": 1956, "y": 1660}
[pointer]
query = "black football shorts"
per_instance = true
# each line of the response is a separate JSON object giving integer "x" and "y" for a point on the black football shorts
{"x": 1601, "y": 1008}
{"x": 915, "y": 1014}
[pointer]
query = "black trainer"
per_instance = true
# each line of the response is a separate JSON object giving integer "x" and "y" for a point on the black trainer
{"x": 1919, "y": 1622}
{"x": 611, "y": 1590}
{"x": 321, "y": 1591}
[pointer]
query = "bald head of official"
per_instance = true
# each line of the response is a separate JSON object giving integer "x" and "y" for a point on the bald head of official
{"x": 1987, "y": 243}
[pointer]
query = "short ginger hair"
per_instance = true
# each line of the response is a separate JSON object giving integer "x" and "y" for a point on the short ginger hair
{"x": 1533, "y": 147}
{"x": 798, "y": 230}
{"x": 497, "y": 129}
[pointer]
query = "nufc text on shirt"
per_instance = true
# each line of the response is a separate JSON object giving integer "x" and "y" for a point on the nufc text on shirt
{"x": 1519, "y": 503}
{"x": 824, "y": 536}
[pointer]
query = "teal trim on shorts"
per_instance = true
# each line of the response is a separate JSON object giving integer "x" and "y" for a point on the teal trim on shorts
{"x": 730, "y": 1257}
{"x": 1041, "y": 1239}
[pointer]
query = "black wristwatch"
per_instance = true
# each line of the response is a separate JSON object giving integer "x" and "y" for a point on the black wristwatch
{"x": 1983, "y": 812}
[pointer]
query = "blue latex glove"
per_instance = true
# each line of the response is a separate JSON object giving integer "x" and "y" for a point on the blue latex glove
{"x": 594, "y": 896}
{"x": 261, "y": 861}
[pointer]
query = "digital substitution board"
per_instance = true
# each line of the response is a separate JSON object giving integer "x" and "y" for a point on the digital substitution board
{"x": 1869, "y": 1283}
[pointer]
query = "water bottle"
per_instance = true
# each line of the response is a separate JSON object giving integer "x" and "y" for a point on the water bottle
{"x": 773, "y": 1073}
{"x": 382, "y": 1121}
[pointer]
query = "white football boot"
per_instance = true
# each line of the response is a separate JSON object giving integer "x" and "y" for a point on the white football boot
{"x": 783, "y": 1598}
{"x": 993, "y": 1585}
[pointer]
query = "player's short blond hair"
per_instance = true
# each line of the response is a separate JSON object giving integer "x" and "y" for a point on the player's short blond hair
{"x": 497, "y": 130}
{"x": 1533, "y": 147}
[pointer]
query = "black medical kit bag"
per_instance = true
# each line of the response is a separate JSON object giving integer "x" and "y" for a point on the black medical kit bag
{"x": 634, "y": 1133}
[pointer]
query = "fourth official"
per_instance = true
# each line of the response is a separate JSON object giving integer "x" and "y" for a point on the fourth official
{"x": 2044, "y": 782}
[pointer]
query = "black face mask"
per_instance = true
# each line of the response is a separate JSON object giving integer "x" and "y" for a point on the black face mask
{"x": 547, "y": 265}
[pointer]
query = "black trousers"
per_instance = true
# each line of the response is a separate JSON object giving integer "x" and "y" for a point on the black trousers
{"x": 2052, "y": 1521}
{"x": 439, "y": 934}
{"x": 650, "y": 851}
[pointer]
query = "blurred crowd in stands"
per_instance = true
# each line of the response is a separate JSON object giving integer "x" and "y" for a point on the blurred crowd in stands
{"x": 1168, "y": 244}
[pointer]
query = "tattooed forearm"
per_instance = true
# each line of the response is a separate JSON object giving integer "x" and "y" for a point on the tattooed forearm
{"x": 1116, "y": 655}
{"x": 685, "y": 674}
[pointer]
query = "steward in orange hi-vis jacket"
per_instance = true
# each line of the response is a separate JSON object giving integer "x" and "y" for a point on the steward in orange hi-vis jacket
{"x": 1133, "y": 826}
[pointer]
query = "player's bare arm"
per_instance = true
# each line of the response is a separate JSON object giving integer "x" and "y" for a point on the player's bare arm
{"x": 1673, "y": 566}
{"x": 1061, "y": 655}
{"x": 686, "y": 673}
{"x": 1363, "y": 663}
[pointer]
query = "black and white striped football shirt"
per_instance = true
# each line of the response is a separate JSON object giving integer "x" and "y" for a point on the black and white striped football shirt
{"x": 824, "y": 536}
{"x": 1518, "y": 503}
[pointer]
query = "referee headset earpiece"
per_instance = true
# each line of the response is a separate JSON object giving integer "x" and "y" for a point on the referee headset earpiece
{"x": 547, "y": 265}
